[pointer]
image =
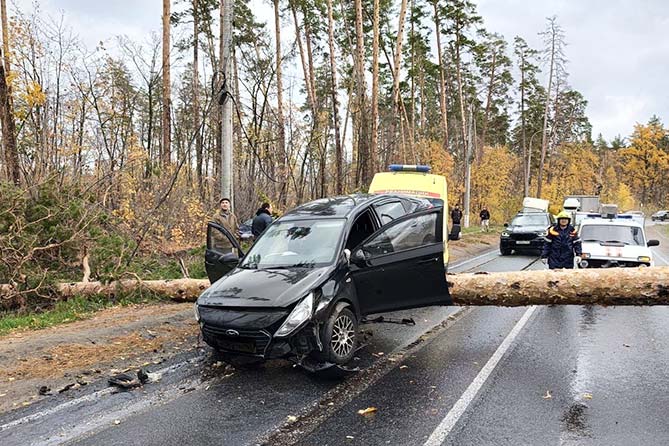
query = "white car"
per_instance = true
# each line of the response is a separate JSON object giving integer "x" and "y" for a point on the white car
{"x": 614, "y": 242}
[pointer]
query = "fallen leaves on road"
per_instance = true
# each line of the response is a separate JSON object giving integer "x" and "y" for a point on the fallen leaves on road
{"x": 587, "y": 396}
{"x": 292, "y": 418}
{"x": 367, "y": 411}
{"x": 626, "y": 345}
{"x": 117, "y": 422}
{"x": 402, "y": 367}
{"x": 548, "y": 395}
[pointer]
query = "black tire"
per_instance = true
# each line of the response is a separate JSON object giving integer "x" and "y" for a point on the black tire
{"x": 339, "y": 336}
{"x": 505, "y": 251}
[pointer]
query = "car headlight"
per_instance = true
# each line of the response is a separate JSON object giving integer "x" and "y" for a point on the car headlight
{"x": 197, "y": 312}
{"x": 505, "y": 234}
{"x": 300, "y": 314}
{"x": 585, "y": 255}
{"x": 644, "y": 259}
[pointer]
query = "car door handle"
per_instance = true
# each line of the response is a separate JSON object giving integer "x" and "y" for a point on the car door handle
{"x": 423, "y": 262}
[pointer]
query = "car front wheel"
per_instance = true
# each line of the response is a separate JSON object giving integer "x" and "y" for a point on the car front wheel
{"x": 339, "y": 335}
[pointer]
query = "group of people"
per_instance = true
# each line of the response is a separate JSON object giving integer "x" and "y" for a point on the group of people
{"x": 225, "y": 218}
{"x": 484, "y": 215}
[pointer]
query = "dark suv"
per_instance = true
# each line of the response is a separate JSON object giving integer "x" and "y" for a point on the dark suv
{"x": 660, "y": 216}
{"x": 526, "y": 232}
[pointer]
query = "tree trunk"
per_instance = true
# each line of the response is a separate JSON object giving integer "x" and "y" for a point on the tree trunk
{"x": 361, "y": 84}
{"x": 196, "y": 98}
{"x": 615, "y": 286}
{"x": 166, "y": 124}
{"x": 442, "y": 76}
{"x": 8, "y": 129}
{"x": 491, "y": 85}
{"x": 371, "y": 159}
{"x": 526, "y": 170}
{"x": 339, "y": 152}
{"x": 281, "y": 142}
{"x": 544, "y": 136}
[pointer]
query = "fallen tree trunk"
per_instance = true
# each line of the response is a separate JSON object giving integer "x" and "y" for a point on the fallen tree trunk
{"x": 615, "y": 286}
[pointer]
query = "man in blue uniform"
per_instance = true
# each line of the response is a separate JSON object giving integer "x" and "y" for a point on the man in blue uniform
{"x": 562, "y": 246}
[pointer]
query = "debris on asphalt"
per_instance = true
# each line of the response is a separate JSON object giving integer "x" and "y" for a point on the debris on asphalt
{"x": 124, "y": 381}
{"x": 117, "y": 422}
{"x": 402, "y": 367}
{"x": 587, "y": 396}
{"x": 291, "y": 418}
{"x": 44, "y": 390}
{"x": 69, "y": 387}
{"x": 548, "y": 395}
{"x": 369, "y": 410}
{"x": 626, "y": 345}
{"x": 350, "y": 437}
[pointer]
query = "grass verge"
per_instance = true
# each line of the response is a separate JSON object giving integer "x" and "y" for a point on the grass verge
{"x": 71, "y": 310}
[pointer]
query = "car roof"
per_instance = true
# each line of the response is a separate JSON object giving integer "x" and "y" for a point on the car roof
{"x": 341, "y": 206}
{"x": 610, "y": 222}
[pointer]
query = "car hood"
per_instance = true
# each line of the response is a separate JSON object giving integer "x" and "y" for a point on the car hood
{"x": 523, "y": 229}
{"x": 263, "y": 287}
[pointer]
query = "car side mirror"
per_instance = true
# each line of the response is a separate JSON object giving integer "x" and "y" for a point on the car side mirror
{"x": 653, "y": 243}
{"x": 506, "y": 225}
{"x": 228, "y": 258}
{"x": 358, "y": 258}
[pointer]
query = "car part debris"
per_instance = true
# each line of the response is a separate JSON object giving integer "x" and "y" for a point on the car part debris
{"x": 44, "y": 390}
{"x": 387, "y": 320}
{"x": 69, "y": 387}
{"x": 124, "y": 381}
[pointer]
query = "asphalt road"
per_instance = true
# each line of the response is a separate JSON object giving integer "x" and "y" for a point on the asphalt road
{"x": 537, "y": 375}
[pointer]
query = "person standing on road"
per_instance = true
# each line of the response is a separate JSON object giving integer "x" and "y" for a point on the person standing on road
{"x": 262, "y": 219}
{"x": 562, "y": 247}
{"x": 456, "y": 215}
{"x": 228, "y": 220}
{"x": 485, "y": 219}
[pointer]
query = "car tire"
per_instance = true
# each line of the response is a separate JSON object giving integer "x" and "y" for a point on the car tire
{"x": 339, "y": 336}
{"x": 505, "y": 251}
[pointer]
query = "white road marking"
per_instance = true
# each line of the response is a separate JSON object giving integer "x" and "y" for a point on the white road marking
{"x": 661, "y": 257}
{"x": 460, "y": 407}
{"x": 75, "y": 402}
{"x": 464, "y": 262}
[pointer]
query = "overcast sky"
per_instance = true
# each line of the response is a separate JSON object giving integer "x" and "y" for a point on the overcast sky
{"x": 617, "y": 49}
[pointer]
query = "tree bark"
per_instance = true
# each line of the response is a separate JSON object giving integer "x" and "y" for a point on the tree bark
{"x": 361, "y": 87}
{"x": 196, "y": 98}
{"x": 339, "y": 152}
{"x": 442, "y": 76}
{"x": 8, "y": 129}
{"x": 544, "y": 136}
{"x": 615, "y": 286}
{"x": 281, "y": 142}
{"x": 371, "y": 159}
{"x": 166, "y": 124}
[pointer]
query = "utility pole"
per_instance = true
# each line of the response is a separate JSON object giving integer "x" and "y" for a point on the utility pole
{"x": 226, "y": 99}
{"x": 468, "y": 168}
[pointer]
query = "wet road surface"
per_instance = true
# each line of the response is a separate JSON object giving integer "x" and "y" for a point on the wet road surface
{"x": 539, "y": 375}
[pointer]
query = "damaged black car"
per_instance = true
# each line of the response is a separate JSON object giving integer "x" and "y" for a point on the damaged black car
{"x": 305, "y": 285}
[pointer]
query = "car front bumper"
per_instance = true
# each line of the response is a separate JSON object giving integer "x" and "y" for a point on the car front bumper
{"x": 605, "y": 262}
{"x": 536, "y": 243}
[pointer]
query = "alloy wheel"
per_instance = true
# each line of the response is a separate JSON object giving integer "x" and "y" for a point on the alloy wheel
{"x": 343, "y": 336}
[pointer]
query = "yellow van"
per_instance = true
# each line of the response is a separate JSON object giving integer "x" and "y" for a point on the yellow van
{"x": 415, "y": 181}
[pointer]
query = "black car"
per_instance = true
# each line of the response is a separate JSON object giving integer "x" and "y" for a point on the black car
{"x": 660, "y": 216}
{"x": 526, "y": 232}
{"x": 305, "y": 285}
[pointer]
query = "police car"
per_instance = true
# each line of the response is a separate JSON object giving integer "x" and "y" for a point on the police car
{"x": 612, "y": 240}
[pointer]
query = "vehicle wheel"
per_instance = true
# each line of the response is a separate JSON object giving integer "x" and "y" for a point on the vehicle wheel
{"x": 505, "y": 251}
{"x": 339, "y": 336}
{"x": 238, "y": 361}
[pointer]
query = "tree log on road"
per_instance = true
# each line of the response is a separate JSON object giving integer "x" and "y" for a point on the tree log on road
{"x": 616, "y": 286}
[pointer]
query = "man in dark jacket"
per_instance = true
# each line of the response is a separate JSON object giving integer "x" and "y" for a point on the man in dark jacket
{"x": 485, "y": 219}
{"x": 262, "y": 219}
{"x": 562, "y": 246}
{"x": 456, "y": 215}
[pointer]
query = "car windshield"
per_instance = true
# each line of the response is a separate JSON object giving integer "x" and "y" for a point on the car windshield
{"x": 530, "y": 220}
{"x": 436, "y": 202}
{"x": 296, "y": 243}
{"x": 627, "y": 235}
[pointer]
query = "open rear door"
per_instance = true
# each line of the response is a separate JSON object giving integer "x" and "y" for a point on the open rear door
{"x": 402, "y": 265}
{"x": 223, "y": 252}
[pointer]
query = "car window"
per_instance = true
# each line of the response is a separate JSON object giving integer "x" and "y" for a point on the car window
{"x": 627, "y": 235}
{"x": 388, "y": 212}
{"x": 305, "y": 243}
{"x": 409, "y": 234}
{"x": 531, "y": 220}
